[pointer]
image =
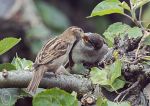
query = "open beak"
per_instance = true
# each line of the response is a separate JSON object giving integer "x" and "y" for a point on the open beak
{"x": 85, "y": 38}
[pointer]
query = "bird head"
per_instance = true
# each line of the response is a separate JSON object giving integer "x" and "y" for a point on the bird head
{"x": 93, "y": 40}
{"x": 76, "y": 31}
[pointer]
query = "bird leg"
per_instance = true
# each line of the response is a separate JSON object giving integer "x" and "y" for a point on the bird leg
{"x": 124, "y": 93}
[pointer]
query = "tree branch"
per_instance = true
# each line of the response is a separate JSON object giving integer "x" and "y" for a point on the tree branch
{"x": 20, "y": 79}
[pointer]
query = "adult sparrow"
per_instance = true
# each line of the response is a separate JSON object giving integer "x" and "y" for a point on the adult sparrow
{"x": 90, "y": 49}
{"x": 54, "y": 55}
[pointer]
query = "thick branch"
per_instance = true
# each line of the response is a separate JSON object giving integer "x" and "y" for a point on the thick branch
{"x": 20, "y": 79}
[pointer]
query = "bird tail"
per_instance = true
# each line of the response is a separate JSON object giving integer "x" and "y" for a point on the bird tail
{"x": 36, "y": 79}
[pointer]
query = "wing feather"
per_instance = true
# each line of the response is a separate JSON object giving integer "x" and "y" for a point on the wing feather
{"x": 52, "y": 50}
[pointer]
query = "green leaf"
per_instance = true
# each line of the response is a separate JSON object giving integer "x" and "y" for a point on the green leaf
{"x": 101, "y": 102}
{"x": 125, "y": 5}
{"x": 7, "y": 66}
{"x": 117, "y": 84}
{"x": 54, "y": 97}
{"x": 22, "y": 64}
{"x": 8, "y": 43}
{"x": 8, "y": 96}
{"x": 116, "y": 29}
{"x": 134, "y": 32}
{"x": 115, "y": 70}
{"x": 108, "y": 77}
{"x": 104, "y": 102}
{"x": 120, "y": 29}
{"x": 107, "y": 7}
{"x": 52, "y": 17}
{"x": 133, "y": 1}
{"x": 140, "y": 3}
{"x": 147, "y": 40}
{"x": 99, "y": 76}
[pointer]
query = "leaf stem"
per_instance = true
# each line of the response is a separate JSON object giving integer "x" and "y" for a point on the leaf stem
{"x": 128, "y": 16}
{"x": 140, "y": 15}
{"x": 140, "y": 18}
{"x": 132, "y": 19}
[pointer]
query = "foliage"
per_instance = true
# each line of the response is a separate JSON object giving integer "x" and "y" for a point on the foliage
{"x": 7, "y": 43}
{"x": 55, "y": 22}
{"x": 17, "y": 64}
{"x": 107, "y": 7}
{"x": 104, "y": 102}
{"x": 52, "y": 17}
{"x": 9, "y": 96}
{"x": 109, "y": 77}
{"x": 120, "y": 29}
{"x": 22, "y": 64}
{"x": 115, "y": 6}
{"x": 103, "y": 76}
{"x": 7, "y": 66}
{"x": 54, "y": 97}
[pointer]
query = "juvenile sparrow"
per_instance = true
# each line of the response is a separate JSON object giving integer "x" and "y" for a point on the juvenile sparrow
{"x": 54, "y": 55}
{"x": 90, "y": 49}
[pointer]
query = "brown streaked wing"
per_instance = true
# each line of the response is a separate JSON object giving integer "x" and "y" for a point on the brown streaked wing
{"x": 52, "y": 50}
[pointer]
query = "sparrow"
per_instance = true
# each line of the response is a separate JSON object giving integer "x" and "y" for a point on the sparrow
{"x": 54, "y": 55}
{"x": 89, "y": 50}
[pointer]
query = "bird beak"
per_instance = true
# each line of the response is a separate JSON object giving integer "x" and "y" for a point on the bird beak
{"x": 85, "y": 38}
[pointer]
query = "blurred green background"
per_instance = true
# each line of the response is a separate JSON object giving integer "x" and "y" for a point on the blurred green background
{"x": 35, "y": 21}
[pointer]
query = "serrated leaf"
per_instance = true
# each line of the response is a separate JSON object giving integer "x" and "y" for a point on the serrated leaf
{"x": 8, "y": 43}
{"x": 116, "y": 29}
{"x": 134, "y": 32}
{"x": 120, "y": 29}
{"x": 108, "y": 77}
{"x": 125, "y": 5}
{"x": 22, "y": 64}
{"x": 99, "y": 76}
{"x": 107, "y": 7}
{"x": 7, "y": 66}
{"x": 54, "y": 97}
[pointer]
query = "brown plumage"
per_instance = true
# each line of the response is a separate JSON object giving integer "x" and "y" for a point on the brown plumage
{"x": 54, "y": 54}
